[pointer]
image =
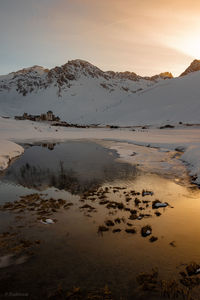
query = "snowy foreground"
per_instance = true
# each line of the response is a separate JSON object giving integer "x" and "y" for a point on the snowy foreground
{"x": 154, "y": 150}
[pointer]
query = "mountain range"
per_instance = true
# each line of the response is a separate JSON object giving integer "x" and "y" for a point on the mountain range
{"x": 79, "y": 92}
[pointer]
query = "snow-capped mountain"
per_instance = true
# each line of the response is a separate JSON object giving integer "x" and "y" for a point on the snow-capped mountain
{"x": 79, "y": 92}
{"x": 194, "y": 67}
{"x": 36, "y": 78}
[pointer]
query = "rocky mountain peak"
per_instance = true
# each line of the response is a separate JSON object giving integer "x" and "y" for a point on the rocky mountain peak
{"x": 166, "y": 75}
{"x": 31, "y": 70}
{"x": 62, "y": 78}
{"x": 81, "y": 67}
{"x": 125, "y": 75}
{"x": 194, "y": 67}
{"x": 73, "y": 70}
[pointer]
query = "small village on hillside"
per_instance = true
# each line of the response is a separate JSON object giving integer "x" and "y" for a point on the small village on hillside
{"x": 49, "y": 116}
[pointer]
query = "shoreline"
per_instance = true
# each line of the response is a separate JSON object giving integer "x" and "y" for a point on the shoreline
{"x": 114, "y": 145}
{"x": 155, "y": 144}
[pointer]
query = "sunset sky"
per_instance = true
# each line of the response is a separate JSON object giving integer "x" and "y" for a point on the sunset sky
{"x": 143, "y": 36}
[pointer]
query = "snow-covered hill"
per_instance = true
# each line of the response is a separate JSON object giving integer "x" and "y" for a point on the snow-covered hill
{"x": 81, "y": 93}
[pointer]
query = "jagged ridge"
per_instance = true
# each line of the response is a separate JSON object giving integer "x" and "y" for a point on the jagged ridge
{"x": 194, "y": 67}
{"x": 81, "y": 93}
{"x": 32, "y": 79}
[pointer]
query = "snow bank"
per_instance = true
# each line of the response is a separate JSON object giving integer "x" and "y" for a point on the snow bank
{"x": 192, "y": 158}
{"x": 8, "y": 151}
{"x": 148, "y": 159}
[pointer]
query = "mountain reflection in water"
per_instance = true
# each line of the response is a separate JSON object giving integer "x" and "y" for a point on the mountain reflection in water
{"x": 72, "y": 166}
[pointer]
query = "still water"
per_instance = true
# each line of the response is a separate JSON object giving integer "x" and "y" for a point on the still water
{"x": 73, "y": 252}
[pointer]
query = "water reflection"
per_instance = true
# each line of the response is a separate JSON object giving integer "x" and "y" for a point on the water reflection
{"x": 71, "y": 252}
{"x": 50, "y": 146}
{"x": 72, "y": 166}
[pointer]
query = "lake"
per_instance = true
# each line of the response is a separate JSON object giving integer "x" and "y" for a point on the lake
{"x": 106, "y": 228}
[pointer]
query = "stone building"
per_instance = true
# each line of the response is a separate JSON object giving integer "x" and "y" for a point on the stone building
{"x": 50, "y": 116}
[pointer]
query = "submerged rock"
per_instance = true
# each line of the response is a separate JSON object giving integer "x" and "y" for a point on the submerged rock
{"x": 146, "y": 230}
{"x": 102, "y": 229}
{"x": 158, "y": 204}
{"x": 147, "y": 193}
{"x": 133, "y": 217}
{"x": 47, "y": 221}
{"x": 109, "y": 223}
{"x": 115, "y": 205}
{"x": 117, "y": 220}
{"x": 38, "y": 204}
{"x": 153, "y": 239}
{"x": 157, "y": 213}
{"x": 103, "y": 202}
{"x": 137, "y": 201}
{"x": 88, "y": 207}
{"x": 148, "y": 281}
{"x": 193, "y": 269}
{"x": 130, "y": 230}
{"x": 172, "y": 244}
{"x": 189, "y": 277}
{"x": 116, "y": 230}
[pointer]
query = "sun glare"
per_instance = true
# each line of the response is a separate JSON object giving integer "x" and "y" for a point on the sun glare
{"x": 186, "y": 41}
{"x": 190, "y": 46}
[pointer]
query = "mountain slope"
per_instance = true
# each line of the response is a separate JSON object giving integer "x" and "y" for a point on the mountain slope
{"x": 194, "y": 67}
{"x": 173, "y": 101}
{"x": 81, "y": 93}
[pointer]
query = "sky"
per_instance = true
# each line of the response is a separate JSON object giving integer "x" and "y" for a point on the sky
{"x": 143, "y": 36}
